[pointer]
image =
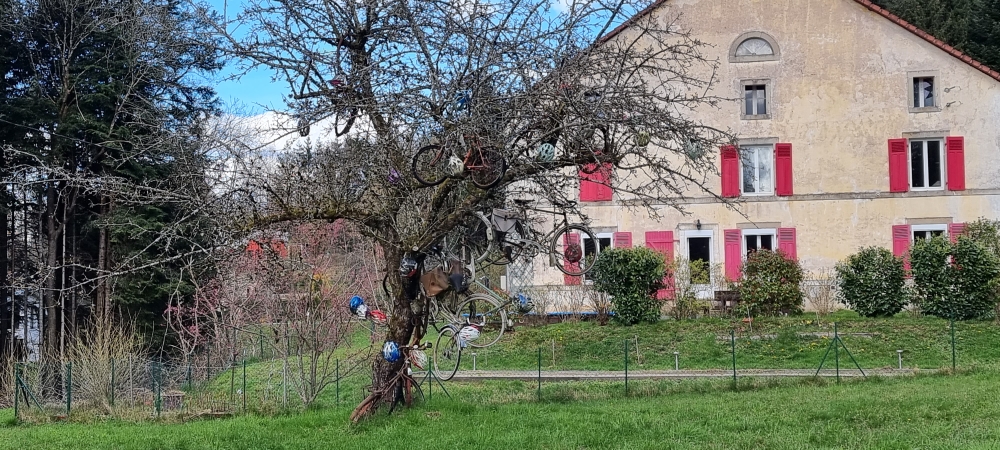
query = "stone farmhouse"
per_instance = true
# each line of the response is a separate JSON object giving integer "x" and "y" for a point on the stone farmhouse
{"x": 854, "y": 129}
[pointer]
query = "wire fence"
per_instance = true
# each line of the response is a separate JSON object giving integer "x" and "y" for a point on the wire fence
{"x": 262, "y": 378}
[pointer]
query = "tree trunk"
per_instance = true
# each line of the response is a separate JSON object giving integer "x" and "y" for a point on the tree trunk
{"x": 102, "y": 302}
{"x": 52, "y": 289}
{"x": 6, "y": 275}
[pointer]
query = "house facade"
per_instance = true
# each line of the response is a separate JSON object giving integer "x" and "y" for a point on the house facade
{"x": 854, "y": 129}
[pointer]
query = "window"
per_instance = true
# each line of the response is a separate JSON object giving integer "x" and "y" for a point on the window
{"x": 754, "y": 240}
{"x": 928, "y": 231}
{"x": 754, "y": 46}
{"x": 923, "y": 92}
{"x": 589, "y": 250}
{"x": 700, "y": 249}
{"x": 926, "y": 164}
{"x": 757, "y": 174}
{"x": 754, "y": 100}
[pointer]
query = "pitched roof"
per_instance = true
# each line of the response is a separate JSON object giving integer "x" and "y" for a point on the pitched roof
{"x": 867, "y": 4}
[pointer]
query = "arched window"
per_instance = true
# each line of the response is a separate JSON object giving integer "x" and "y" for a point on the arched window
{"x": 752, "y": 47}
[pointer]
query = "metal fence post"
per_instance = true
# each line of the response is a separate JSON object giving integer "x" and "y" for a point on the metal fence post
{"x": 189, "y": 374}
{"x": 111, "y": 392}
{"x": 69, "y": 387}
{"x": 158, "y": 381}
{"x": 244, "y": 385}
{"x": 337, "y": 374}
{"x": 953, "y": 361}
{"x": 732, "y": 339}
{"x": 17, "y": 386}
{"x": 539, "y": 373}
{"x": 836, "y": 349}
{"x": 626, "y": 367}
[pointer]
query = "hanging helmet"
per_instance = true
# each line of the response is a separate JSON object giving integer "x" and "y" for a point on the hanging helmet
{"x": 390, "y": 351}
{"x": 407, "y": 265}
{"x": 362, "y": 312}
{"x": 418, "y": 358}
{"x": 454, "y": 166}
{"x": 642, "y": 138}
{"x": 546, "y": 152}
{"x": 377, "y": 316}
{"x": 524, "y": 303}
{"x": 356, "y": 301}
{"x": 468, "y": 333}
{"x": 573, "y": 253}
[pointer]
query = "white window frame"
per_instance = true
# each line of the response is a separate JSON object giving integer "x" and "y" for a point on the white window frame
{"x": 702, "y": 291}
{"x": 599, "y": 236}
{"x": 920, "y": 100}
{"x": 942, "y": 227}
{"x": 773, "y": 232}
{"x": 909, "y": 163}
{"x": 768, "y": 99}
{"x": 757, "y": 169}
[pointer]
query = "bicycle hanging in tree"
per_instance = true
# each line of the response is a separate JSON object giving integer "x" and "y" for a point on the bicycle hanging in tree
{"x": 572, "y": 246}
{"x": 343, "y": 100}
{"x": 460, "y": 154}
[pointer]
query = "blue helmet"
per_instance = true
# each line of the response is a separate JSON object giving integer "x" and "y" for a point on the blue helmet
{"x": 390, "y": 351}
{"x": 356, "y": 301}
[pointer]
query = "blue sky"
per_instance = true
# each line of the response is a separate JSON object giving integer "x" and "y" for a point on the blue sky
{"x": 247, "y": 94}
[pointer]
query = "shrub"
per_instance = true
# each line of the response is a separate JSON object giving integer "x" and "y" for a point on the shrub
{"x": 770, "y": 283}
{"x": 631, "y": 276}
{"x": 871, "y": 282}
{"x": 955, "y": 280}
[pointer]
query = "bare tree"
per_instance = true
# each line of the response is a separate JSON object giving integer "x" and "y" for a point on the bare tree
{"x": 510, "y": 76}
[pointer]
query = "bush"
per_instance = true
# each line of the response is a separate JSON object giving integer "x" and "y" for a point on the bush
{"x": 871, "y": 282}
{"x": 955, "y": 280}
{"x": 631, "y": 276}
{"x": 770, "y": 284}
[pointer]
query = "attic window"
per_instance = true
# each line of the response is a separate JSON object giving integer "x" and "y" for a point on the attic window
{"x": 753, "y": 46}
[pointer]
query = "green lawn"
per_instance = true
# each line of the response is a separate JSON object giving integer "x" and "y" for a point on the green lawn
{"x": 774, "y": 343}
{"x": 961, "y": 411}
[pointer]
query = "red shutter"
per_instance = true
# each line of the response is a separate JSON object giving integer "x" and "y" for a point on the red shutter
{"x": 734, "y": 253}
{"x": 786, "y": 242}
{"x": 587, "y": 188}
{"x": 899, "y": 180}
{"x": 955, "y": 146}
{"x": 570, "y": 239}
{"x": 955, "y": 230}
{"x": 901, "y": 243}
{"x": 622, "y": 239}
{"x": 783, "y": 169}
{"x": 663, "y": 242}
{"x": 596, "y": 186}
{"x": 730, "y": 172}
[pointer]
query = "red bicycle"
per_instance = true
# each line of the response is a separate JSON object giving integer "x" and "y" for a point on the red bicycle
{"x": 484, "y": 165}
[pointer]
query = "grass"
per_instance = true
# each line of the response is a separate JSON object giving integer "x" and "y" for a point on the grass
{"x": 959, "y": 411}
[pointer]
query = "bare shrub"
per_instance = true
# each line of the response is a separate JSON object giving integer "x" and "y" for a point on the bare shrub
{"x": 820, "y": 289}
{"x": 104, "y": 347}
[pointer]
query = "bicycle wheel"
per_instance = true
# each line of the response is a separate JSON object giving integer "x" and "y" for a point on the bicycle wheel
{"x": 447, "y": 354}
{"x": 429, "y": 165}
{"x": 575, "y": 248}
{"x": 508, "y": 247}
{"x": 472, "y": 240}
{"x": 488, "y": 168}
{"x": 488, "y": 314}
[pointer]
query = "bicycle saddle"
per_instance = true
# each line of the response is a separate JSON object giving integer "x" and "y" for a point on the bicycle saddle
{"x": 523, "y": 201}
{"x": 565, "y": 204}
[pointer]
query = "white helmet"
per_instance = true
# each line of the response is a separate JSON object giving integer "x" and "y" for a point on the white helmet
{"x": 418, "y": 358}
{"x": 468, "y": 333}
{"x": 546, "y": 152}
{"x": 362, "y": 311}
{"x": 454, "y": 166}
